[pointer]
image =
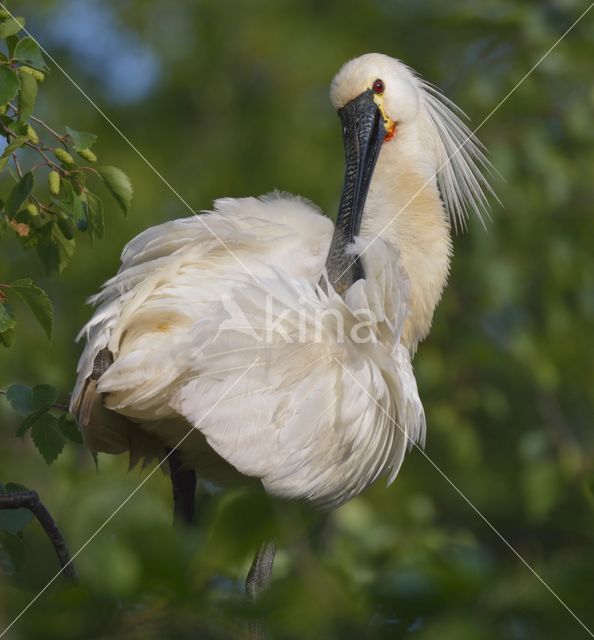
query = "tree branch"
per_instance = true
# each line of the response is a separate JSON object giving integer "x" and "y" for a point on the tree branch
{"x": 30, "y": 500}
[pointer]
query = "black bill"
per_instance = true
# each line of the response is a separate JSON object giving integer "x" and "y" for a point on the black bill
{"x": 363, "y": 134}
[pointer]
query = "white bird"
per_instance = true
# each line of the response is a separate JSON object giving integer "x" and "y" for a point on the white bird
{"x": 280, "y": 343}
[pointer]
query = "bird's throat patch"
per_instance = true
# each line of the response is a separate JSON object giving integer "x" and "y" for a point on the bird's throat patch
{"x": 389, "y": 124}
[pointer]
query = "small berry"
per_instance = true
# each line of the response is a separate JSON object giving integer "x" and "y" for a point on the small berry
{"x": 87, "y": 154}
{"x": 33, "y": 137}
{"x": 54, "y": 182}
{"x": 66, "y": 226}
{"x": 32, "y": 209}
{"x": 63, "y": 155}
{"x": 38, "y": 75}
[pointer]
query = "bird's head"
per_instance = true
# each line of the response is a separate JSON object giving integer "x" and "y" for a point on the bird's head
{"x": 378, "y": 85}
{"x": 428, "y": 175}
{"x": 380, "y": 99}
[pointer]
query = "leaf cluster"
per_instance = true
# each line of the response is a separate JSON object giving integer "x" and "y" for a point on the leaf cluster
{"x": 34, "y": 297}
{"x": 38, "y": 407}
{"x": 50, "y": 198}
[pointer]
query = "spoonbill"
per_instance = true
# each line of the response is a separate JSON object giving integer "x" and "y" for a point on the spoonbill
{"x": 260, "y": 341}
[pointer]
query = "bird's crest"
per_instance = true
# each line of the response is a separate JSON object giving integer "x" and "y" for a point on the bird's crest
{"x": 461, "y": 160}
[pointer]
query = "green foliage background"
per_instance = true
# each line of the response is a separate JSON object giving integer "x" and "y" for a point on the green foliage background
{"x": 239, "y": 106}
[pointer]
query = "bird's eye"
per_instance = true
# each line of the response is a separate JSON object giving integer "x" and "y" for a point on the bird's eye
{"x": 378, "y": 87}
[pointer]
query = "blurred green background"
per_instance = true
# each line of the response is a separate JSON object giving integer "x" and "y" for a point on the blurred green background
{"x": 230, "y": 99}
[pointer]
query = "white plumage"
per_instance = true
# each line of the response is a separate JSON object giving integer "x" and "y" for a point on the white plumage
{"x": 224, "y": 325}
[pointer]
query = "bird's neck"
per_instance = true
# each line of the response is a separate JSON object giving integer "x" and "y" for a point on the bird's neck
{"x": 405, "y": 208}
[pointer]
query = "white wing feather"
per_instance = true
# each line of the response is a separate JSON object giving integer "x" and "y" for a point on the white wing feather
{"x": 321, "y": 412}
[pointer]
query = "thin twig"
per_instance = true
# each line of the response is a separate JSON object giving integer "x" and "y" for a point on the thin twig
{"x": 8, "y": 131}
{"x": 46, "y": 126}
{"x": 30, "y": 500}
{"x": 17, "y": 165}
{"x": 61, "y": 407}
{"x": 42, "y": 123}
{"x": 37, "y": 148}
{"x": 91, "y": 169}
{"x": 41, "y": 205}
{"x": 49, "y": 162}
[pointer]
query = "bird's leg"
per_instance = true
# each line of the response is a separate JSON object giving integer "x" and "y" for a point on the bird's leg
{"x": 260, "y": 573}
{"x": 258, "y": 580}
{"x": 183, "y": 483}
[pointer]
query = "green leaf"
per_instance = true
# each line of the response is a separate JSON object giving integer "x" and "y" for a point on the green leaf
{"x": 53, "y": 249}
{"x": 28, "y": 50}
{"x": 10, "y": 26}
{"x": 12, "y": 553}
{"x": 43, "y": 395}
{"x": 69, "y": 428}
{"x": 81, "y": 139}
{"x": 66, "y": 225}
{"x": 18, "y": 128}
{"x": 27, "y": 95}
{"x": 47, "y": 437}
{"x": 95, "y": 216}
{"x": 14, "y": 520}
{"x": 16, "y": 142}
{"x": 20, "y": 398}
{"x": 12, "y": 42}
{"x": 9, "y": 83}
{"x": 7, "y": 319}
{"x": 38, "y": 301}
{"x": 19, "y": 194}
{"x": 13, "y": 487}
{"x": 70, "y": 202}
{"x": 7, "y": 338}
{"x": 29, "y": 421}
{"x": 118, "y": 184}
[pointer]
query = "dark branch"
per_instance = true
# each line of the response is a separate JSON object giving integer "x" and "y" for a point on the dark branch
{"x": 30, "y": 500}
